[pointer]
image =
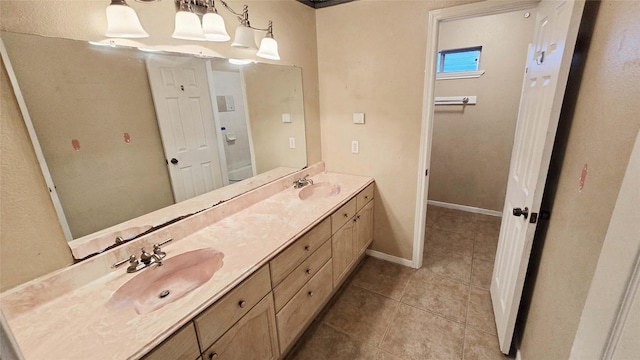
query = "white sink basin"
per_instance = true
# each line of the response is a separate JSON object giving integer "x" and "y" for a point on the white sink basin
{"x": 319, "y": 191}
{"x": 157, "y": 286}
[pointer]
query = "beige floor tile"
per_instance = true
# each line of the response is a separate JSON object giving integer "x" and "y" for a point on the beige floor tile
{"x": 481, "y": 218}
{"x": 479, "y": 345}
{"x": 362, "y": 314}
{"x": 448, "y": 264}
{"x": 383, "y": 355}
{"x": 481, "y": 273}
{"x": 417, "y": 334}
{"x": 480, "y": 313}
{"x": 491, "y": 228}
{"x": 485, "y": 246}
{"x": 382, "y": 277}
{"x": 326, "y": 343}
{"x": 455, "y": 224}
{"x": 452, "y": 243}
{"x": 432, "y": 215}
{"x": 438, "y": 294}
{"x": 458, "y": 213}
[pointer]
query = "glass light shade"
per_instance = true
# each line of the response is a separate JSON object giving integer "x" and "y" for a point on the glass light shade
{"x": 268, "y": 49}
{"x": 244, "y": 38}
{"x": 187, "y": 27}
{"x": 213, "y": 27}
{"x": 122, "y": 21}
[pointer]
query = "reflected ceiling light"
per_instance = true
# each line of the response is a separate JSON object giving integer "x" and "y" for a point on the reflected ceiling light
{"x": 122, "y": 21}
{"x": 240, "y": 61}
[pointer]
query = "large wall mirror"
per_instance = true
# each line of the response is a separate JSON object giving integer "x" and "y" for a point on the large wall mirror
{"x": 125, "y": 132}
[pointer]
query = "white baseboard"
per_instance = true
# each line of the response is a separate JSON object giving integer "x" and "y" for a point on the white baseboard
{"x": 390, "y": 258}
{"x": 518, "y": 355}
{"x": 464, "y": 208}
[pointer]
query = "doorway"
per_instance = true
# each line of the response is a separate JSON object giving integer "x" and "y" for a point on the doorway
{"x": 547, "y": 68}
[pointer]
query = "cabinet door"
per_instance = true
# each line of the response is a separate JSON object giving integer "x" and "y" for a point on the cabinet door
{"x": 252, "y": 337}
{"x": 182, "y": 345}
{"x": 344, "y": 251}
{"x": 364, "y": 227}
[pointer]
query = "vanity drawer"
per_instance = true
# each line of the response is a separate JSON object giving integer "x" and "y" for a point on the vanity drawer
{"x": 300, "y": 275}
{"x": 219, "y": 317}
{"x": 298, "y": 312}
{"x": 342, "y": 215}
{"x": 182, "y": 345}
{"x": 292, "y": 256}
{"x": 364, "y": 196}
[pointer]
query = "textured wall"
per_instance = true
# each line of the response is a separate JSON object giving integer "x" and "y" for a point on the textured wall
{"x": 371, "y": 59}
{"x": 602, "y": 134}
{"x": 471, "y": 149}
{"x": 24, "y": 252}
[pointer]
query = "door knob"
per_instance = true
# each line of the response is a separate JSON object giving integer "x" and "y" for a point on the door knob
{"x": 521, "y": 212}
{"x": 174, "y": 161}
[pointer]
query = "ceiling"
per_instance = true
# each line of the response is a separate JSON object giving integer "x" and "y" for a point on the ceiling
{"x": 316, "y": 4}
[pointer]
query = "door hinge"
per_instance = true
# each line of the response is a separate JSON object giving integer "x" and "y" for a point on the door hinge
{"x": 426, "y": 172}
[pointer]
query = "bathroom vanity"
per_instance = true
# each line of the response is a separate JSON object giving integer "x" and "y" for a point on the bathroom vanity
{"x": 279, "y": 255}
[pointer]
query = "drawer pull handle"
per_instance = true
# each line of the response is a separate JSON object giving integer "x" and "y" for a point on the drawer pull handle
{"x": 307, "y": 248}
{"x": 346, "y": 215}
{"x": 308, "y": 271}
{"x": 213, "y": 356}
{"x": 310, "y": 293}
{"x": 242, "y": 303}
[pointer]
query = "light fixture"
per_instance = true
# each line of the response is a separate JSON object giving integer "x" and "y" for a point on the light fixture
{"x": 214, "y": 28}
{"x": 187, "y": 24}
{"x": 269, "y": 46}
{"x": 122, "y": 21}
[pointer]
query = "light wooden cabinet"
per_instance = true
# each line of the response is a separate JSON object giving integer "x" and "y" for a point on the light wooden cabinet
{"x": 349, "y": 241}
{"x": 343, "y": 251}
{"x": 252, "y": 337}
{"x": 364, "y": 227}
{"x": 214, "y": 321}
{"x": 261, "y": 318}
{"x": 305, "y": 304}
{"x": 182, "y": 345}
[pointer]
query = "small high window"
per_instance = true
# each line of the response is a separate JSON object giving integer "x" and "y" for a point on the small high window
{"x": 467, "y": 59}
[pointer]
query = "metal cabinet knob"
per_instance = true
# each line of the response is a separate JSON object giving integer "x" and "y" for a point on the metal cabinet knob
{"x": 310, "y": 293}
{"x": 308, "y": 271}
{"x": 242, "y": 303}
{"x": 346, "y": 215}
{"x": 307, "y": 248}
{"x": 213, "y": 356}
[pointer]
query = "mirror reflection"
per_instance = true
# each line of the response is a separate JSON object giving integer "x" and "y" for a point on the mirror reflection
{"x": 125, "y": 132}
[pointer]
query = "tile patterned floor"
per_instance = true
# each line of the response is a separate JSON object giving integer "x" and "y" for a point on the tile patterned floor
{"x": 441, "y": 311}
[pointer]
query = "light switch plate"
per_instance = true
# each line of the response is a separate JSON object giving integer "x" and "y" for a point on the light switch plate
{"x": 358, "y": 118}
{"x": 292, "y": 143}
{"x": 355, "y": 147}
{"x": 286, "y": 118}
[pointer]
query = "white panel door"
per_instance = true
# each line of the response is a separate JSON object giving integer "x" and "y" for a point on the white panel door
{"x": 542, "y": 94}
{"x": 185, "y": 117}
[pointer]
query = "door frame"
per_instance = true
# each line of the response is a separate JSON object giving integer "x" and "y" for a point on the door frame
{"x": 483, "y": 8}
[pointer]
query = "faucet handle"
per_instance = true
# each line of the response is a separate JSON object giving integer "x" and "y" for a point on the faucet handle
{"x": 157, "y": 245}
{"x": 130, "y": 259}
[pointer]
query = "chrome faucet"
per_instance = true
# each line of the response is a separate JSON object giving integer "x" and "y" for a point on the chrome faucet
{"x": 146, "y": 259}
{"x": 297, "y": 184}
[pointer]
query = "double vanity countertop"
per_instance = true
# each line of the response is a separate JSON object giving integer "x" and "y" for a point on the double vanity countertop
{"x": 77, "y": 324}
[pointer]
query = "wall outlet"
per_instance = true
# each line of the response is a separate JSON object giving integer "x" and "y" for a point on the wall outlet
{"x": 358, "y": 118}
{"x": 286, "y": 118}
{"x": 292, "y": 143}
{"x": 355, "y": 147}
